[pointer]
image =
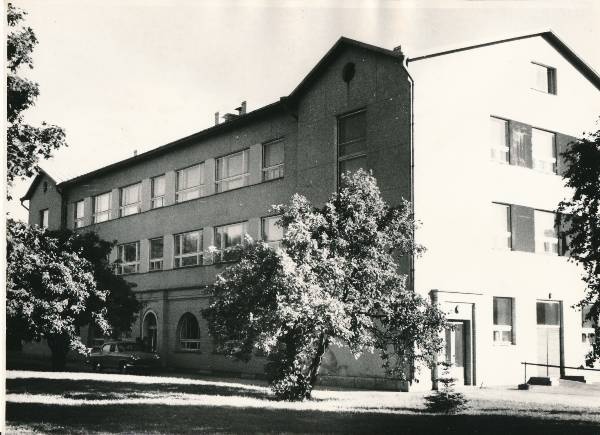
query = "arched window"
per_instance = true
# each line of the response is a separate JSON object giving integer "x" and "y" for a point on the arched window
{"x": 188, "y": 332}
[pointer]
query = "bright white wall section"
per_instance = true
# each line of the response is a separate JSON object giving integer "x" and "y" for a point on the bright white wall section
{"x": 455, "y": 183}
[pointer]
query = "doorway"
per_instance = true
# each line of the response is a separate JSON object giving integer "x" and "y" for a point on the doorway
{"x": 549, "y": 350}
{"x": 149, "y": 331}
{"x": 458, "y": 351}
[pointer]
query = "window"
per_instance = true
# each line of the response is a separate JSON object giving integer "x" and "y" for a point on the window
{"x": 189, "y": 332}
{"x": 188, "y": 249}
{"x": 502, "y": 227}
{"x": 156, "y": 254}
{"x": 130, "y": 200}
{"x": 352, "y": 142}
{"x": 102, "y": 207}
{"x": 272, "y": 233}
{"x": 79, "y": 214}
{"x": 500, "y": 145}
{"x": 588, "y": 328}
{"x": 273, "y": 160}
{"x": 44, "y": 218}
{"x": 128, "y": 258}
{"x": 546, "y": 232}
{"x": 544, "y": 78}
{"x": 548, "y": 313}
{"x": 158, "y": 191}
{"x": 228, "y": 237}
{"x": 543, "y": 150}
{"x": 232, "y": 171}
{"x": 503, "y": 320}
{"x": 190, "y": 183}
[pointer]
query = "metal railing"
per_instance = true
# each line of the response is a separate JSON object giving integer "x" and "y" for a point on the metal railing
{"x": 554, "y": 366}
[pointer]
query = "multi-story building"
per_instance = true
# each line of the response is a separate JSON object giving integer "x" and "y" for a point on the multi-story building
{"x": 472, "y": 136}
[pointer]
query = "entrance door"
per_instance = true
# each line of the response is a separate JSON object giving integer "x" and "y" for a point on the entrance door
{"x": 456, "y": 350}
{"x": 548, "y": 337}
{"x": 149, "y": 335}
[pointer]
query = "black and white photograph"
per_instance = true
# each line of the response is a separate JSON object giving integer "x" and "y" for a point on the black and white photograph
{"x": 299, "y": 216}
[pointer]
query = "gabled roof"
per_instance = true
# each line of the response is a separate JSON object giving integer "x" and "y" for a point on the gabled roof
{"x": 41, "y": 174}
{"x": 341, "y": 43}
{"x": 548, "y": 35}
{"x": 282, "y": 105}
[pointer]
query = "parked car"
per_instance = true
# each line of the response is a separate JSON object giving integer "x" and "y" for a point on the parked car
{"x": 123, "y": 356}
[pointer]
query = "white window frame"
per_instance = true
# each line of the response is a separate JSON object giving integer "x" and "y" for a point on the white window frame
{"x": 222, "y": 183}
{"x": 157, "y": 201}
{"x": 541, "y": 161}
{"x": 133, "y": 207}
{"x": 352, "y": 156}
{"x": 499, "y": 329}
{"x": 498, "y": 150}
{"x": 272, "y": 243}
{"x": 44, "y": 217}
{"x": 155, "y": 264}
{"x": 541, "y": 239}
{"x": 78, "y": 221}
{"x": 122, "y": 264}
{"x": 502, "y": 241}
{"x": 273, "y": 172}
{"x": 222, "y": 251}
{"x": 102, "y": 215}
{"x": 199, "y": 188}
{"x": 551, "y": 79}
{"x": 188, "y": 344}
{"x": 180, "y": 255}
{"x": 588, "y": 333}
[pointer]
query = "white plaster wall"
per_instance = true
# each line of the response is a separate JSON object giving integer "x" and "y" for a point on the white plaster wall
{"x": 456, "y": 182}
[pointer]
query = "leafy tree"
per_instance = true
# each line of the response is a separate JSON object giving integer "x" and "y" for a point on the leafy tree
{"x": 26, "y": 144}
{"x": 581, "y": 216}
{"x": 336, "y": 281}
{"x": 446, "y": 399}
{"x": 59, "y": 282}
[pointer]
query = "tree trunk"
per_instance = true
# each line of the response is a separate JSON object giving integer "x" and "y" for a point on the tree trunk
{"x": 59, "y": 346}
{"x": 316, "y": 362}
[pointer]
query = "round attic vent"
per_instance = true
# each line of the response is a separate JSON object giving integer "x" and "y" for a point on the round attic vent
{"x": 348, "y": 72}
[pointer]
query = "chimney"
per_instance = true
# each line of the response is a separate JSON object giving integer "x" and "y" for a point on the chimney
{"x": 398, "y": 51}
{"x": 134, "y": 153}
{"x": 242, "y": 109}
{"x": 216, "y": 118}
{"x": 229, "y": 116}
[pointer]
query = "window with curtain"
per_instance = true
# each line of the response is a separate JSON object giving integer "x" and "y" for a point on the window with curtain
{"x": 273, "y": 160}
{"x": 503, "y": 320}
{"x": 232, "y": 171}
{"x": 190, "y": 183}
{"x": 130, "y": 200}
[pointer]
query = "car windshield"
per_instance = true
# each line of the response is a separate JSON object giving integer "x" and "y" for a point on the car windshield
{"x": 131, "y": 347}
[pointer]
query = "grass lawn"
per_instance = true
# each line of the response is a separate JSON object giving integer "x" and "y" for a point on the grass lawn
{"x": 88, "y": 402}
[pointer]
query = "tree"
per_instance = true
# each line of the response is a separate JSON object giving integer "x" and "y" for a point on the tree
{"x": 446, "y": 400}
{"x": 336, "y": 281}
{"x": 26, "y": 144}
{"x": 581, "y": 222}
{"x": 57, "y": 283}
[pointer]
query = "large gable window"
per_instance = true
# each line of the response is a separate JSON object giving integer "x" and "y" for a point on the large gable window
{"x": 352, "y": 142}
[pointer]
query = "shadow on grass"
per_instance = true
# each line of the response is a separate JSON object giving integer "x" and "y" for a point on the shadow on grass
{"x": 186, "y": 419}
{"x": 87, "y": 389}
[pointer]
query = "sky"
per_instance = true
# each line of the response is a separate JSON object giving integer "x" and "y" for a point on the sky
{"x": 127, "y": 75}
